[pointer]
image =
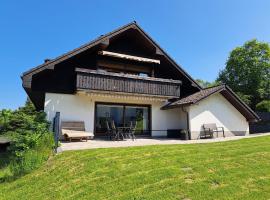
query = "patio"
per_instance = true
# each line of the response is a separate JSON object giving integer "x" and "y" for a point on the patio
{"x": 101, "y": 143}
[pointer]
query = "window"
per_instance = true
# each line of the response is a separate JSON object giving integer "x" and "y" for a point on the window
{"x": 143, "y": 75}
{"x": 122, "y": 115}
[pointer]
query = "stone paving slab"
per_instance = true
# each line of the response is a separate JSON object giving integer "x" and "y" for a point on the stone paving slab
{"x": 99, "y": 143}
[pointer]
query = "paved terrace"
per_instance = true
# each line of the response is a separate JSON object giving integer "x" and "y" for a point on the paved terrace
{"x": 101, "y": 143}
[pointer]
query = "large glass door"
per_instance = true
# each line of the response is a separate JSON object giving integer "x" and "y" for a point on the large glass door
{"x": 122, "y": 115}
{"x": 108, "y": 113}
{"x": 140, "y": 116}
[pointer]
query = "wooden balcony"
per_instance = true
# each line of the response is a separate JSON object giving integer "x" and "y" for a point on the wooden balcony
{"x": 94, "y": 80}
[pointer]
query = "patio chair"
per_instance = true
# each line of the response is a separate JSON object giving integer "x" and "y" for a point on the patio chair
{"x": 132, "y": 129}
{"x": 110, "y": 132}
{"x": 210, "y": 129}
{"x": 117, "y": 132}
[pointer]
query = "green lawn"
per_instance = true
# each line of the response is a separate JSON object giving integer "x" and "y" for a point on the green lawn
{"x": 228, "y": 170}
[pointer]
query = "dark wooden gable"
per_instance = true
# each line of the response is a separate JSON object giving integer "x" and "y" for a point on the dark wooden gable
{"x": 134, "y": 43}
{"x": 58, "y": 75}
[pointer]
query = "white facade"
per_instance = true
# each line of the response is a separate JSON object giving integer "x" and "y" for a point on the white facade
{"x": 216, "y": 109}
{"x": 81, "y": 107}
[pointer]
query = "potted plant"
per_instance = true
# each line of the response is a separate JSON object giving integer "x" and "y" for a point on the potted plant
{"x": 184, "y": 134}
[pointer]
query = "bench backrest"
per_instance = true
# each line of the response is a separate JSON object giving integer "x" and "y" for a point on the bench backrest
{"x": 73, "y": 125}
{"x": 211, "y": 126}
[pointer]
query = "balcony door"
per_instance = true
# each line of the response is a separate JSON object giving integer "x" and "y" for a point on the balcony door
{"x": 122, "y": 115}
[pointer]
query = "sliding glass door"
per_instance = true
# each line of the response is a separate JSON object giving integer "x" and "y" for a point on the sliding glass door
{"x": 138, "y": 115}
{"x": 122, "y": 115}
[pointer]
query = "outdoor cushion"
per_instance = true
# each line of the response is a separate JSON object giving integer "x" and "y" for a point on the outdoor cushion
{"x": 76, "y": 134}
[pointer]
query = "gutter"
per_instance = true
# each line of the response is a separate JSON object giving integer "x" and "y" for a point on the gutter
{"x": 187, "y": 114}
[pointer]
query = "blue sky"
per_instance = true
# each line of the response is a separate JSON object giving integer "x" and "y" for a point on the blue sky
{"x": 198, "y": 34}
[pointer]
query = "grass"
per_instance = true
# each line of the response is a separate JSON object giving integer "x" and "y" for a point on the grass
{"x": 4, "y": 165}
{"x": 13, "y": 165}
{"x": 229, "y": 170}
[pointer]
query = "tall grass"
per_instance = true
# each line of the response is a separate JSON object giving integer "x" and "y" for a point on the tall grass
{"x": 29, "y": 160}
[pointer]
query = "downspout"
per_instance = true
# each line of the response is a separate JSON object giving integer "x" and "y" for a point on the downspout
{"x": 187, "y": 114}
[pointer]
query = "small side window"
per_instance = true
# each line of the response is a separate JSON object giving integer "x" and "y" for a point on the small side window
{"x": 143, "y": 75}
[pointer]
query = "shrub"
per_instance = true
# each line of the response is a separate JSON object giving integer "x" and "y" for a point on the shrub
{"x": 32, "y": 142}
{"x": 263, "y": 106}
{"x": 32, "y": 158}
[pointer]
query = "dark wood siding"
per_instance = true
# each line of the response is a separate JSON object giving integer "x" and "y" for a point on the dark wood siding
{"x": 127, "y": 84}
{"x": 58, "y": 74}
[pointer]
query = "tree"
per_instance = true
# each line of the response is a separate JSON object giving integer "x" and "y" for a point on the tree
{"x": 4, "y": 118}
{"x": 28, "y": 108}
{"x": 23, "y": 119}
{"x": 263, "y": 106}
{"x": 247, "y": 72}
{"x": 206, "y": 84}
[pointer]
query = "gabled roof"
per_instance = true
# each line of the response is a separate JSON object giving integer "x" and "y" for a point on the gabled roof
{"x": 104, "y": 39}
{"x": 198, "y": 96}
{"x": 205, "y": 93}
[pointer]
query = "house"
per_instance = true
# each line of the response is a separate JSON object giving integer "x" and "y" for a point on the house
{"x": 126, "y": 76}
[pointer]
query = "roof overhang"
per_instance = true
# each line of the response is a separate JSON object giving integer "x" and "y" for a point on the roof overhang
{"x": 99, "y": 44}
{"x": 240, "y": 105}
{"x": 228, "y": 94}
{"x": 102, "y": 42}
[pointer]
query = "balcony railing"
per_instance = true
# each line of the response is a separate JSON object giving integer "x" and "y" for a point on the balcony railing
{"x": 118, "y": 82}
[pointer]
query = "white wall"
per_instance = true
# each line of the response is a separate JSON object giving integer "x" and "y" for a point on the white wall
{"x": 167, "y": 119}
{"x": 216, "y": 109}
{"x": 71, "y": 108}
{"x": 81, "y": 108}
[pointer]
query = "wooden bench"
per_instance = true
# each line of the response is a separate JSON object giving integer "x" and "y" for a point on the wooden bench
{"x": 75, "y": 130}
{"x": 210, "y": 129}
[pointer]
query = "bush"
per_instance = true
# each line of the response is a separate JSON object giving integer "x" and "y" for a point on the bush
{"x": 263, "y": 106}
{"x": 32, "y": 158}
{"x": 32, "y": 142}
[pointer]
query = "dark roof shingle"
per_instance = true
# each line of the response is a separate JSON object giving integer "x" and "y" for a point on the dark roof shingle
{"x": 193, "y": 98}
{"x": 225, "y": 91}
